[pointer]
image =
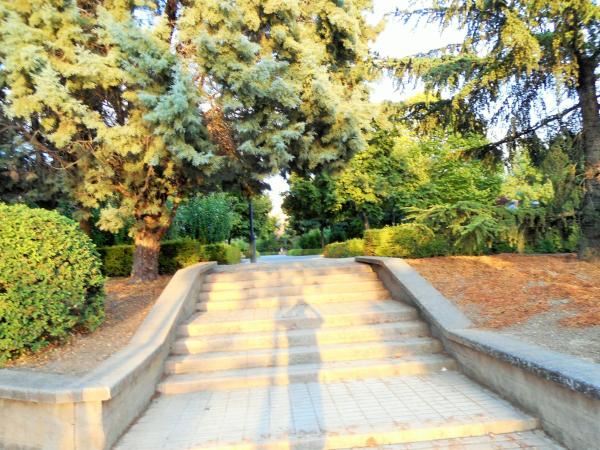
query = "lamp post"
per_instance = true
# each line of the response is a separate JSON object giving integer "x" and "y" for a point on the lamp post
{"x": 252, "y": 237}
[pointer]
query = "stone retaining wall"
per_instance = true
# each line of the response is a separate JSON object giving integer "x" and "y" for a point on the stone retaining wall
{"x": 60, "y": 412}
{"x": 561, "y": 390}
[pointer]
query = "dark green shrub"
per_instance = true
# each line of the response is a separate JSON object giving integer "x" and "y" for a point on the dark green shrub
{"x": 116, "y": 260}
{"x": 352, "y": 247}
{"x": 177, "y": 254}
{"x": 304, "y": 251}
{"x": 310, "y": 240}
{"x": 222, "y": 253}
{"x": 409, "y": 240}
{"x": 50, "y": 280}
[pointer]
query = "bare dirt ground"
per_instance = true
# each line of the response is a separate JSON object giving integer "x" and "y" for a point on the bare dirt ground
{"x": 549, "y": 300}
{"x": 126, "y": 307}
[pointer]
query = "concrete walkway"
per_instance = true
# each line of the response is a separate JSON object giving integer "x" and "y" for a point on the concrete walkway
{"x": 315, "y": 355}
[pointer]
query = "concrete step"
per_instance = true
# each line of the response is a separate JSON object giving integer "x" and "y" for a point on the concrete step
{"x": 274, "y": 273}
{"x": 310, "y": 289}
{"x": 293, "y": 280}
{"x": 302, "y": 337}
{"x": 514, "y": 440}
{"x": 286, "y": 301}
{"x": 278, "y": 357}
{"x": 325, "y": 372}
{"x": 297, "y": 317}
{"x": 438, "y": 434}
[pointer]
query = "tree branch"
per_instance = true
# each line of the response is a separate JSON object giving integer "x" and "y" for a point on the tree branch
{"x": 514, "y": 136}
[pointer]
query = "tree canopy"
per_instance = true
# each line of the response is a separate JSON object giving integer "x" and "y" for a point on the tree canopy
{"x": 147, "y": 104}
{"x": 517, "y": 62}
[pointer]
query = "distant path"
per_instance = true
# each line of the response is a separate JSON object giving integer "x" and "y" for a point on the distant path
{"x": 282, "y": 259}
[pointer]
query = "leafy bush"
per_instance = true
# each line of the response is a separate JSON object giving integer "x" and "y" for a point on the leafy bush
{"x": 175, "y": 255}
{"x": 409, "y": 240}
{"x": 470, "y": 226}
{"x": 304, "y": 251}
{"x": 50, "y": 280}
{"x": 352, "y": 247}
{"x": 208, "y": 219}
{"x": 310, "y": 240}
{"x": 243, "y": 245}
{"x": 117, "y": 260}
{"x": 222, "y": 253}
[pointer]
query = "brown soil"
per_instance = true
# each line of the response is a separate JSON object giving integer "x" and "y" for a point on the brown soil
{"x": 126, "y": 307}
{"x": 553, "y": 301}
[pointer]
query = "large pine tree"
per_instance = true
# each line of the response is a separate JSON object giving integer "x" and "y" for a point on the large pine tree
{"x": 149, "y": 103}
{"x": 514, "y": 56}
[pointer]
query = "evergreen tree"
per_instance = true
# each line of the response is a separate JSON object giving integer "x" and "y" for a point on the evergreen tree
{"x": 311, "y": 202}
{"x": 149, "y": 104}
{"x": 515, "y": 53}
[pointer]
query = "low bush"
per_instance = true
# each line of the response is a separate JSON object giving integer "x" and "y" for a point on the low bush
{"x": 304, "y": 251}
{"x": 222, "y": 253}
{"x": 409, "y": 240}
{"x": 243, "y": 245}
{"x": 50, "y": 280}
{"x": 177, "y": 254}
{"x": 117, "y": 260}
{"x": 310, "y": 240}
{"x": 346, "y": 249}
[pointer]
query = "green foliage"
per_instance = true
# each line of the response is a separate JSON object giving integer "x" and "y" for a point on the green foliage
{"x": 312, "y": 239}
{"x": 263, "y": 226}
{"x": 526, "y": 182}
{"x": 174, "y": 255}
{"x": 50, "y": 280}
{"x": 177, "y": 254}
{"x": 352, "y": 247}
{"x": 304, "y": 251}
{"x": 470, "y": 226}
{"x": 243, "y": 245}
{"x": 208, "y": 219}
{"x": 222, "y": 253}
{"x": 311, "y": 203}
{"x": 116, "y": 260}
{"x": 516, "y": 59}
{"x": 147, "y": 103}
{"x": 409, "y": 240}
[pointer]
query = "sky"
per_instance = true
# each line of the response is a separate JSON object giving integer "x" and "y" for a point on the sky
{"x": 396, "y": 40}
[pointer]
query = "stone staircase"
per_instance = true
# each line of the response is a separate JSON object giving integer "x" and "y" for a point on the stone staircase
{"x": 316, "y": 355}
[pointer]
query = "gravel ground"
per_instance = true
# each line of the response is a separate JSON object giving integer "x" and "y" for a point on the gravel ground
{"x": 549, "y": 300}
{"x": 545, "y": 331}
{"x": 126, "y": 307}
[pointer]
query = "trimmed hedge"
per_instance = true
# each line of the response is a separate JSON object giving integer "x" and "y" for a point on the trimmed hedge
{"x": 304, "y": 251}
{"x": 177, "y": 254}
{"x": 346, "y": 249}
{"x": 50, "y": 280}
{"x": 117, "y": 260}
{"x": 222, "y": 253}
{"x": 409, "y": 240}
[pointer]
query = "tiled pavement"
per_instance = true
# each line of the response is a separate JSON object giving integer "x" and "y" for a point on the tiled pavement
{"x": 435, "y": 409}
{"x": 220, "y": 419}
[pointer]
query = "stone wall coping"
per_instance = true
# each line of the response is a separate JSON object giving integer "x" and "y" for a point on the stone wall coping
{"x": 111, "y": 376}
{"x": 571, "y": 372}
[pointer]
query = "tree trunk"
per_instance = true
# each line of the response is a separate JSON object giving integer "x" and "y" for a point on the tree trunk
{"x": 145, "y": 255}
{"x": 366, "y": 221}
{"x": 589, "y": 248}
{"x": 86, "y": 226}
